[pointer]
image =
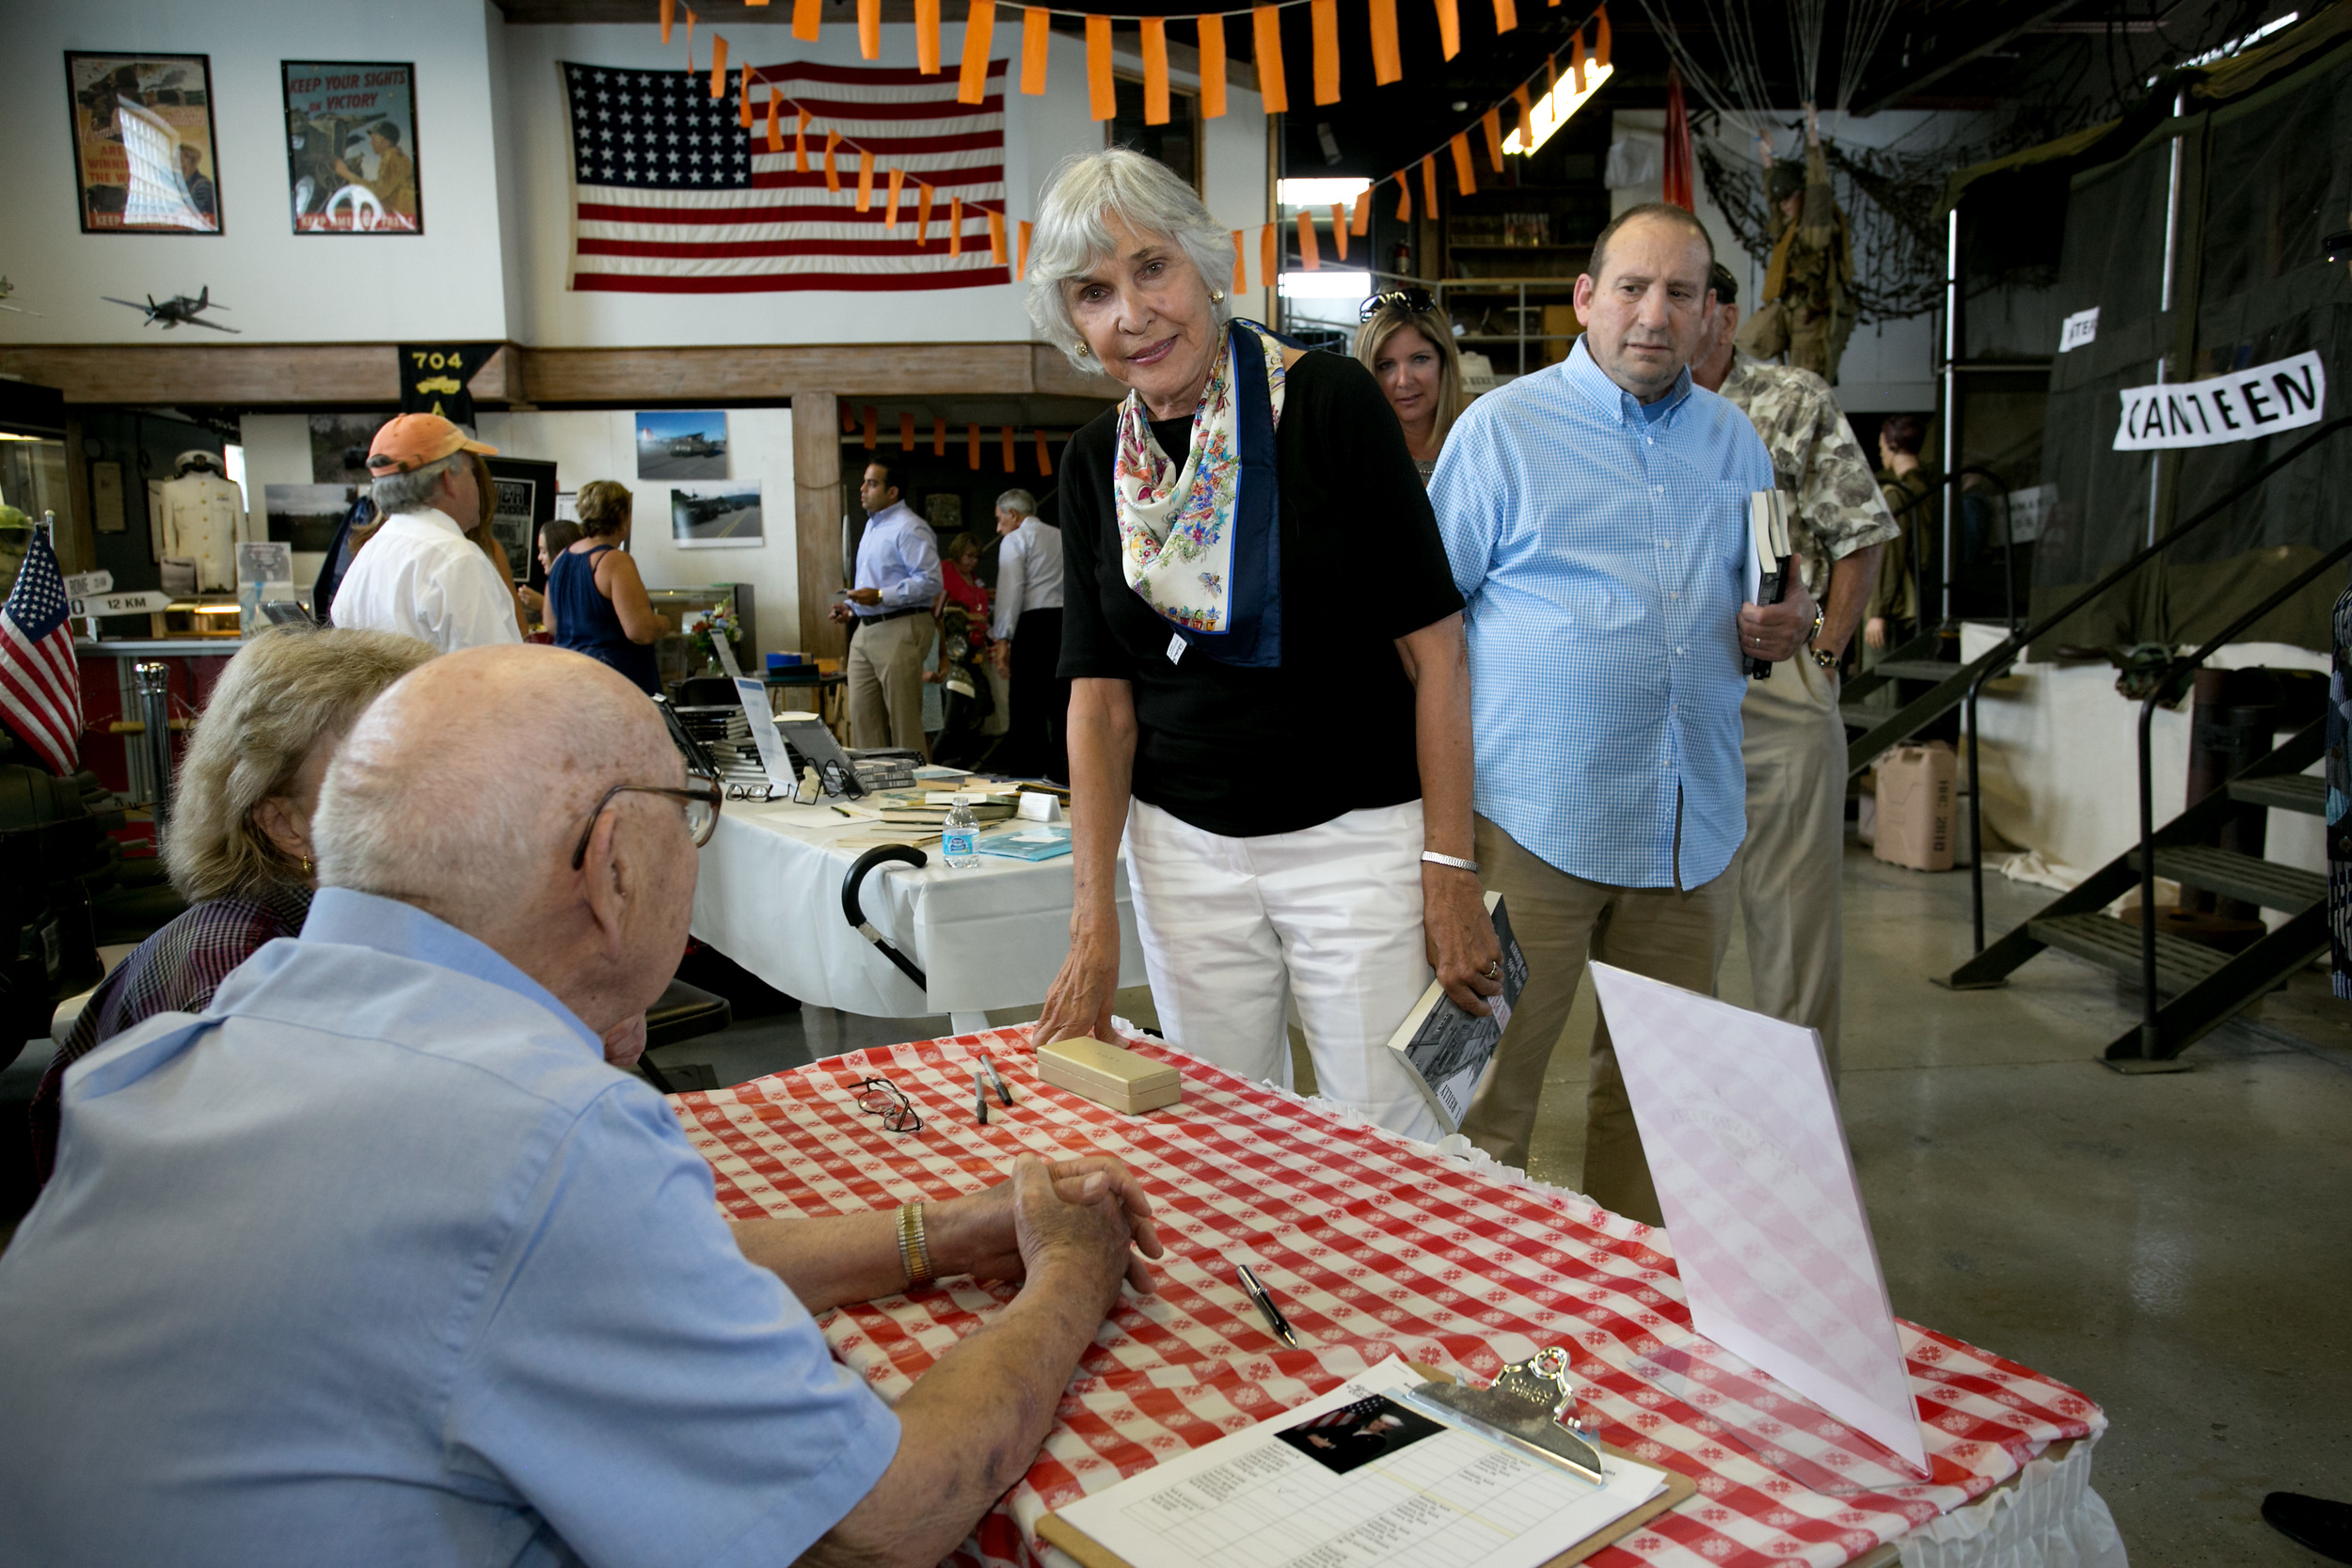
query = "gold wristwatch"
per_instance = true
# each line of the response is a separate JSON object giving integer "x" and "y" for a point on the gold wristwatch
{"x": 1826, "y": 660}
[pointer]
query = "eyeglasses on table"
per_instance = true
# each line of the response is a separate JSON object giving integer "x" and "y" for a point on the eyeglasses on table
{"x": 880, "y": 1097}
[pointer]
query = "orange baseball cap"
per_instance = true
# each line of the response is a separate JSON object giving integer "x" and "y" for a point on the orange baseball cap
{"x": 412, "y": 440}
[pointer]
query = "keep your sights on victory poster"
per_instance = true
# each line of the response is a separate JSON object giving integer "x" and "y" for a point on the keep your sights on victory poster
{"x": 351, "y": 148}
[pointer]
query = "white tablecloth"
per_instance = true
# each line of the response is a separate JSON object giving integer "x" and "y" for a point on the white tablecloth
{"x": 770, "y": 898}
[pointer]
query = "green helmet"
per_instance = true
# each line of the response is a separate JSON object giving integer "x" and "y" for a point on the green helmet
{"x": 1788, "y": 179}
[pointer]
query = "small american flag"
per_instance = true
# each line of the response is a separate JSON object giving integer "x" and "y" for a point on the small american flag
{"x": 40, "y": 683}
{"x": 672, "y": 195}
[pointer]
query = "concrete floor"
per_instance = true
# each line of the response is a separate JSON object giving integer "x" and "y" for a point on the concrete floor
{"x": 2176, "y": 1245}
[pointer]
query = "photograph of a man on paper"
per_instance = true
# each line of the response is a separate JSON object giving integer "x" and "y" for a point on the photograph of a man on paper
{"x": 1357, "y": 1434}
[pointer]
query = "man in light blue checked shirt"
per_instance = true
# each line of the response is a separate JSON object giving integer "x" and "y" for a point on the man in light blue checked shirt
{"x": 1595, "y": 515}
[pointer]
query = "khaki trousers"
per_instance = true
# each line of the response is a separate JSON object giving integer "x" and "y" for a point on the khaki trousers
{"x": 1562, "y": 921}
{"x": 1790, "y": 870}
{"x": 886, "y": 673}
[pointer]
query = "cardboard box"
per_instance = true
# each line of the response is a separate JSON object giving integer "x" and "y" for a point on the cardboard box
{"x": 1109, "y": 1075}
{"x": 1915, "y": 807}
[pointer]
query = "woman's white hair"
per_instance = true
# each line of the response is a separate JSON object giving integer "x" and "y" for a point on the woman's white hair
{"x": 1072, "y": 234}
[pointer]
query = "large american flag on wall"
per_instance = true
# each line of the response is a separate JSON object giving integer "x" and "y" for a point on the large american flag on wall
{"x": 672, "y": 195}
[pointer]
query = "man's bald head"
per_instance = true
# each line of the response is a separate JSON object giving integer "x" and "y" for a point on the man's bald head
{"x": 464, "y": 787}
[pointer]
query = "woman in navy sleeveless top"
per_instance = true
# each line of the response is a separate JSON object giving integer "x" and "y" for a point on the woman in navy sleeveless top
{"x": 597, "y": 602}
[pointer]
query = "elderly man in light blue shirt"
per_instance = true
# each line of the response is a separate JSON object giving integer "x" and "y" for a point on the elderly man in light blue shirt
{"x": 897, "y": 577}
{"x": 1595, "y": 516}
{"x": 379, "y": 1261}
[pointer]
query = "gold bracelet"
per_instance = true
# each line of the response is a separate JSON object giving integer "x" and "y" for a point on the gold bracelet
{"x": 914, "y": 1252}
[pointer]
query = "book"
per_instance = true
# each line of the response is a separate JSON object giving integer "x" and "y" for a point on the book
{"x": 1027, "y": 841}
{"x": 1768, "y": 566}
{"x": 1446, "y": 1050}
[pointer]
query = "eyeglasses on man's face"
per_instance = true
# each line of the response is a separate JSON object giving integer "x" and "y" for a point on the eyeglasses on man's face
{"x": 1411, "y": 301}
{"x": 699, "y": 799}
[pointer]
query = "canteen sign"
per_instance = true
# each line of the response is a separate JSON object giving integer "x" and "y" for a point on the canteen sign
{"x": 2259, "y": 400}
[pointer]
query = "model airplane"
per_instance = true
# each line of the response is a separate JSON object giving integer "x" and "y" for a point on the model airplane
{"x": 5, "y": 290}
{"x": 178, "y": 311}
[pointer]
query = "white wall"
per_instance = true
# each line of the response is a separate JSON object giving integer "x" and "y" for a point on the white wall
{"x": 443, "y": 283}
{"x": 1039, "y": 134}
{"x": 603, "y": 445}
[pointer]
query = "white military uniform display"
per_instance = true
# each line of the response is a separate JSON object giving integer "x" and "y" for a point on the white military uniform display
{"x": 197, "y": 520}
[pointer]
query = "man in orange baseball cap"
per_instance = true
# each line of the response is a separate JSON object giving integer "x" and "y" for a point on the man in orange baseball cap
{"x": 419, "y": 574}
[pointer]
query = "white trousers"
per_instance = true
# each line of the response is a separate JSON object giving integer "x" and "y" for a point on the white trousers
{"x": 1236, "y": 930}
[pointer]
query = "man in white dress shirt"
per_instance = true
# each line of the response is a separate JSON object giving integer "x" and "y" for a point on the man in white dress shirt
{"x": 897, "y": 577}
{"x": 419, "y": 574}
{"x": 1027, "y": 633}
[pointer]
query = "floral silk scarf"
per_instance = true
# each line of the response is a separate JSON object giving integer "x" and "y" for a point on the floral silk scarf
{"x": 1201, "y": 543}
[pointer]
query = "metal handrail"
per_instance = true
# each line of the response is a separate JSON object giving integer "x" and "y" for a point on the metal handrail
{"x": 2149, "y": 1032}
{"x": 2000, "y": 659}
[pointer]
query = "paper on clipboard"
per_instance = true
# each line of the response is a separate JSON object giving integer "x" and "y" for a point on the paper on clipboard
{"x": 1757, "y": 1188}
{"x": 773, "y": 759}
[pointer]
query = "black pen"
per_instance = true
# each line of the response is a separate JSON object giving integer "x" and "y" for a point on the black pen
{"x": 1274, "y": 1318}
{"x": 997, "y": 1078}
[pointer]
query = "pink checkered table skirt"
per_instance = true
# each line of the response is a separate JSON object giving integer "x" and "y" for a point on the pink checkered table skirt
{"x": 1374, "y": 1246}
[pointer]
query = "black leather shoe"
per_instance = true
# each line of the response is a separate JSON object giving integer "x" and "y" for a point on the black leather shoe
{"x": 2324, "y": 1527}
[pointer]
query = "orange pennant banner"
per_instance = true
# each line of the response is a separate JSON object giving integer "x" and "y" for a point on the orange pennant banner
{"x": 865, "y": 181}
{"x": 689, "y": 40}
{"x": 1526, "y": 115}
{"x": 1491, "y": 122}
{"x": 776, "y": 132}
{"x": 1310, "y": 258}
{"x": 807, "y": 17}
{"x": 869, "y": 29}
{"x": 849, "y": 421}
{"x": 1326, "y": 15}
{"x": 1211, "y": 67}
{"x": 1462, "y": 169}
{"x": 922, "y": 213}
{"x": 1600, "y": 40}
{"x": 890, "y": 213}
{"x": 906, "y": 430}
{"x": 1044, "y": 458}
{"x": 1241, "y": 266}
{"x": 718, "y": 65}
{"x": 939, "y": 437}
{"x": 833, "y": 174}
{"x": 1267, "y": 22}
{"x": 1576, "y": 64}
{"x": 1403, "y": 195}
{"x": 1506, "y": 15}
{"x": 996, "y": 236}
{"x": 979, "y": 33}
{"x": 1362, "y": 220}
{"x": 1102, "y": 98}
{"x": 1006, "y": 447}
{"x": 1022, "y": 271}
{"x": 1449, "y": 27}
{"x": 927, "y": 35}
{"x": 955, "y": 222}
{"x": 1037, "y": 33}
{"x": 1429, "y": 185}
{"x": 1154, "y": 70}
{"x": 972, "y": 446}
{"x": 799, "y": 145}
{"x": 1339, "y": 229}
{"x": 1269, "y": 257}
{"x": 743, "y": 97}
{"x": 669, "y": 15}
{"x": 1387, "y": 63}
{"x": 870, "y": 416}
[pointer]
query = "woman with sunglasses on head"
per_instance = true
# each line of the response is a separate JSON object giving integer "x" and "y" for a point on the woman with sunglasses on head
{"x": 1408, "y": 344}
{"x": 1269, "y": 696}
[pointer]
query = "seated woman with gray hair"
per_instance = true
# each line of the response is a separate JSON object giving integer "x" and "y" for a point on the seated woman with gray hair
{"x": 1270, "y": 698}
{"x": 239, "y": 848}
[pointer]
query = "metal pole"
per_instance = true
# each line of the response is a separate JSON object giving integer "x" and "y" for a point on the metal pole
{"x": 1975, "y": 823}
{"x": 2171, "y": 242}
{"x": 1952, "y": 404}
{"x": 151, "y": 683}
{"x": 2149, "y": 1031}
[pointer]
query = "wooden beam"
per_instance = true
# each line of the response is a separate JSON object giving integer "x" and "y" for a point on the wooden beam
{"x": 240, "y": 374}
{"x": 816, "y": 519}
{"x": 765, "y": 374}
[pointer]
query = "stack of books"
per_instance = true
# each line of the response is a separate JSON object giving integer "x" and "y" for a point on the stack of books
{"x": 928, "y": 808}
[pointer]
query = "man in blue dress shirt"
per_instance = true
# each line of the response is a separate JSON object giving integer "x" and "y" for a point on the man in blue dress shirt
{"x": 1596, "y": 514}
{"x": 378, "y": 1261}
{"x": 897, "y": 577}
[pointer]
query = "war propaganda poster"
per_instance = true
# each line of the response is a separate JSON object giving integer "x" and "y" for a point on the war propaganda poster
{"x": 143, "y": 143}
{"x": 351, "y": 148}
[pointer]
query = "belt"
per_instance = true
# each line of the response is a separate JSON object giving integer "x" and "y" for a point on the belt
{"x": 894, "y": 614}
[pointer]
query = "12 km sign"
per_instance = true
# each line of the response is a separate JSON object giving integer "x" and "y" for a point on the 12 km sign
{"x": 2260, "y": 400}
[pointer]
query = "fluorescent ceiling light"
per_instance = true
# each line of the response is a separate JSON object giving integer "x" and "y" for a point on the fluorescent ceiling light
{"x": 1553, "y": 109}
{"x": 1319, "y": 193}
{"x": 1329, "y": 283}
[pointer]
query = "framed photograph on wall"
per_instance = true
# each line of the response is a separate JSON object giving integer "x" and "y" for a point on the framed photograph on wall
{"x": 716, "y": 516}
{"x": 143, "y": 143}
{"x": 351, "y": 146}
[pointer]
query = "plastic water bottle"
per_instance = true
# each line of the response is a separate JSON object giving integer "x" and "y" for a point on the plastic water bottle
{"x": 957, "y": 840}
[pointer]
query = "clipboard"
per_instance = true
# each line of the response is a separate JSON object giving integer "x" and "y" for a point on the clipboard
{"x": 1680, "y": 1490}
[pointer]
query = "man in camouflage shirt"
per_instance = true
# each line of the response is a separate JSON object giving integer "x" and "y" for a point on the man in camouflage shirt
{"x": 1789, "y": 868}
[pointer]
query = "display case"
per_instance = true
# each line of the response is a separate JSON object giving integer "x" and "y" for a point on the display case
{"x": 682, "y": 608}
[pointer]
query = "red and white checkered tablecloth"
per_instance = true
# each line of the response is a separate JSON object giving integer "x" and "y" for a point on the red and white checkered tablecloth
{"x": 1375, "y": 1246}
